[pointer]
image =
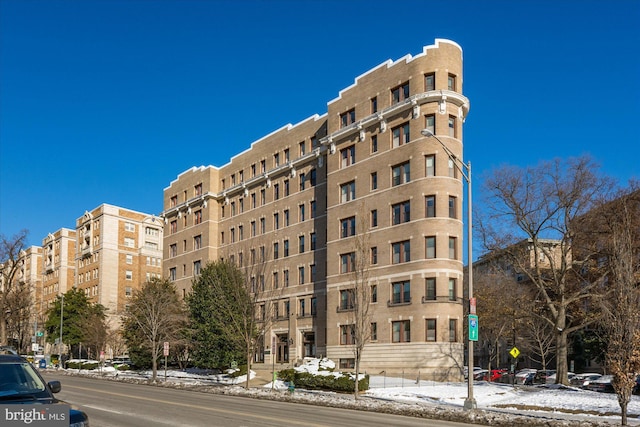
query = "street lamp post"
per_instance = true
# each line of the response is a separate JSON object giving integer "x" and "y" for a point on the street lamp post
{"x": 465, "y": 170}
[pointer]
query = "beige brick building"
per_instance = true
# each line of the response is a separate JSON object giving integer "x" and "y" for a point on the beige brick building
{"x": 299, "y": 197}
{"x": 117, "y": 250}
{"x": 59, "y": 265}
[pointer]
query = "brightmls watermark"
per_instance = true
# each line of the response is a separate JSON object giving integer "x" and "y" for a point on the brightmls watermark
{"x": 35, "y": 415}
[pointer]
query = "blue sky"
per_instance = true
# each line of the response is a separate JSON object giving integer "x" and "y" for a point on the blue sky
{"x": 108, "y": 101}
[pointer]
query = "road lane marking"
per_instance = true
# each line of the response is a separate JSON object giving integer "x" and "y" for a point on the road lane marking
{"x": 99, "y": 408}
{"x": 188, "y": 405}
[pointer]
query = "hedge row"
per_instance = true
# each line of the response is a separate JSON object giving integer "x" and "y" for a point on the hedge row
{"x": 309, "y": 381}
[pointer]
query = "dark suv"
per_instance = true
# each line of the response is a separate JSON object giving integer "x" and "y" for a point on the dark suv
{"x": 20, "y": 383}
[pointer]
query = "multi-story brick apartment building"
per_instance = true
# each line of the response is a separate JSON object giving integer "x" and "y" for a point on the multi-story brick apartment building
{"x": 298, "y": 197}
{"x": 117, "y": 250}
{"x": 59, "y": 266}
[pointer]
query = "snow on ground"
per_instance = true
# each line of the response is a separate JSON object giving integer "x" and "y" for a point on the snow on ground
{"x": 557, "y": 401}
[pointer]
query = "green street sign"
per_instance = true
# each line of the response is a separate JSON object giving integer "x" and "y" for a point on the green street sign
{"x": 473, "y": 327}
{"x": 39, "y": 333}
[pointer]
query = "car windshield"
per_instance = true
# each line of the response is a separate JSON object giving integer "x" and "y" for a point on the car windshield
{"x": 19, "y": 379}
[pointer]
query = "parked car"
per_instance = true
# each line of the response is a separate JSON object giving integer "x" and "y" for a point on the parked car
{"x": 480, "y": 375}
{"x": 525, "y": 376}
{"x": 581, "y": 380}
{"x": 604, "y": 384}
{"x": 541, "y": 376}
{"x": 21, "y": 383}
{"x": 551, "y": 379}
{"x": 636, "y": 387}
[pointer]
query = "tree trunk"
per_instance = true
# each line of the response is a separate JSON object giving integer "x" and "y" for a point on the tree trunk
{"x": 355, "y": 391}
{"x": 249, "y": 359}
{"x": 623, "y": 408}
{"x": 561, "y": 357}
{"x": 3, "y": 330}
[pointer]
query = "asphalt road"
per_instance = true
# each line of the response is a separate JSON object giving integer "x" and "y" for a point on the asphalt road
{"x": 116, "y": 404}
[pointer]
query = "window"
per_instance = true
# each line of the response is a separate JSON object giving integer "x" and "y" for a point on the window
{"x": 129, "y": 242}
{"x": 452, "y": 248}
{"x": 276, "y": 247}
{"x": 374, "y": 105}
{"x": 374, "y": 143}
{"x": 400, "y": 135}
{"x": 174, "y": 226}
{"x": 451, "y": 82}
{"x": 198, "y": 189}
{"x": 452, "y": 207}
{"x": 276, "y": 283}
{"x": 128, "y": 275}
{"x": 401, "y": 331}
{"x": 430, "y": 163}
{"x": 253, "y": 170}
{"x": 346, "y": 338}
{"x": 400, "y": 174}
{"x": 347, "y": 363}
{"x": 302, "y": 181}
{"x": 233, "y": 179}
{"x": 302, "y": 148}
{"x": 301, "y": 275}
{"x": 253, "y": 228}
{"x": 263, "y": 166}
{"x": 286, "y": 187}
{"x": 431, "y": 330}
{"x": 172, "y": 274}
{"x": 347, "y": 118}
{"x": 286, "y": 248}
{"x": 401, "y": 292}
{"x": 313, "y": 241}
{"x": 314, "y": 306}
{"x": 346, "y": 299}
{"x": 276, "y": 191}
{"x": 286, "y": 278}
{"x": 128, "y": 291}
{"x": 348, "y": 191}
{"x": 374, "y": 218}
{"x": 240, "y": 232}
{"x": 430, "y": 206}
{"x": 301, "y": 244}
{"x": 301, "y": 214}
{"x": 452, "y": 126}
{"x": 348, "y": 227}
{"x": 128, "y": 226}
{"x": 276, "y": 160}
{"x": 429, "y": 82}
{"x": 302, "y": 307}
{"x": 263, "y": 225}
{"x": 430, "y": 291}
{"x": 401, "y": 252}
{"x": 312, "y": 177}
{"x": 374, "y": 331}
{"x": 312, "y": 204}
{"x": 129, "y": 258}
{"x": 453, "y": 329}
{"x": 173, "y": 250}
{"x": 400, "y": 93}
{"x": 197, "y": 217}
{"x": 233, "y": 208}
{"x": 233, "y": 235}
{"x": 374, "y": 181}
{"x": 374, "y": 255}
{"x": 313, "y": 272}
{"x": 263, "y": 197}
{"x": 348, "y": 156}
{"x": 401, "y": 212}
{"x": 287, "y": 157}
{"x": 286, "y": 217}
{"x": 276, "y": 221}
{"x": 374, "y": 293}
{"x": 452, "y": 289}
{"x": 173, "y": 201}
{"x": 347, "y": 262}
{"x": 196, "y": 268}
{"x": 430, "y": 247}
{"x": 430, "y": 123}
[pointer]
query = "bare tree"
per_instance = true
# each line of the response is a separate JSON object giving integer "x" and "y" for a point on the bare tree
{"x": 539, "y": 338}
{"x": 360, "y": 316}
{"x": 531, "y": 221}
{"x": 11, "y": 258}
{"x": 615, "y": 228}
{"x": 155, "y": 315}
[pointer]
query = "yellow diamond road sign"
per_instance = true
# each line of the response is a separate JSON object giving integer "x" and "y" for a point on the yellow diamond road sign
{"x": 514, "y": 352}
